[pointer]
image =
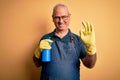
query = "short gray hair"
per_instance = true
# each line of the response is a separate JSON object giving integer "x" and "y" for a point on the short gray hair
{"x": 59, "y": 5}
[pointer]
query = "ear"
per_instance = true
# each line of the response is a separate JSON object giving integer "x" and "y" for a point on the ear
{"x": 69, "y": 16}
{"x": 52, "y": 18}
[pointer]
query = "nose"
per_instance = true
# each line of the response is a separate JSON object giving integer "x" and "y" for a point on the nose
{"x": 60, "y": 19}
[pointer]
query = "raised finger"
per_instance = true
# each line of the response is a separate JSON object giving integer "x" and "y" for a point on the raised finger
{"x": 84, "y": 25}
{"x": 88, "y": 26}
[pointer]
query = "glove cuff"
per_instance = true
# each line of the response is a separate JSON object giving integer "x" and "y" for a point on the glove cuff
{"x": 91, "y": 49}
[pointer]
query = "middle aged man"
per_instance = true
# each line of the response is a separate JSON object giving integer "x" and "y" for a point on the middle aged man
{"x": 67, "y": 48}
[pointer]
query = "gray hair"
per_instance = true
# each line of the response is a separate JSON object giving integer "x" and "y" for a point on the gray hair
{"x": 59, "y": 5}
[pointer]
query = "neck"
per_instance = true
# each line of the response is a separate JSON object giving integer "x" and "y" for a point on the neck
{"x": 61, "y": 33}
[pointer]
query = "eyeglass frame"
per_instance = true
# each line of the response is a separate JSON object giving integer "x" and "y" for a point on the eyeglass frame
{"x": 64, "y": 17}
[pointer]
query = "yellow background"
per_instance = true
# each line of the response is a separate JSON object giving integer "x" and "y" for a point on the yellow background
{"x": 23, "y": 22}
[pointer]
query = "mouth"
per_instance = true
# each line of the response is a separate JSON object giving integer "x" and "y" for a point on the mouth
{"x": 61, "y": 25}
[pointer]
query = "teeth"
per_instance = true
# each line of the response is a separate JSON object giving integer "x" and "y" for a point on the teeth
{"x": 62, "y": 25}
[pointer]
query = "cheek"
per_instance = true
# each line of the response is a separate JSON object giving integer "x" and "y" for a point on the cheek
{"x": 56, "y": 24}
{"x": 67, "y": 23}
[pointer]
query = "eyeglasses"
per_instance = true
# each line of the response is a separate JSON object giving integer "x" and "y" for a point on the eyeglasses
{"x": 57, "y": 18}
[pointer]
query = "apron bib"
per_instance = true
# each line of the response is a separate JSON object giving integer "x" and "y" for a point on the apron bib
{"x": 64, "y": 64}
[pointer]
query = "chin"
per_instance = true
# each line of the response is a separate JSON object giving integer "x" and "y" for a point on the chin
{"x": 62, "y": 27}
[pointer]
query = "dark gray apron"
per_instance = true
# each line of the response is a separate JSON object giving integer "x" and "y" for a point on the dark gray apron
{"x": 65, "y": 62}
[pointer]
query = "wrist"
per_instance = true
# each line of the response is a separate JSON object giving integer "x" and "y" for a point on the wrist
{"x": 91, "y": 49}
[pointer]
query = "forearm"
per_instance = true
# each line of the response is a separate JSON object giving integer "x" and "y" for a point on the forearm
{"x": 37, "y": 61}
{"x": 89, "y": 60}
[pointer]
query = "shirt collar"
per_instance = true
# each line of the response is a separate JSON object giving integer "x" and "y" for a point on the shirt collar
{"x": 53, "y": 33}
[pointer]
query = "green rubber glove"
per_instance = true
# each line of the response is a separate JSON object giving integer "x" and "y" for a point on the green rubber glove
{"x": 44, "y": 44}
{"x": 87, "y": 35}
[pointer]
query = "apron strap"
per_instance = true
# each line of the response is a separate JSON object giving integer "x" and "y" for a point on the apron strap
{"x": 71, "y": 39}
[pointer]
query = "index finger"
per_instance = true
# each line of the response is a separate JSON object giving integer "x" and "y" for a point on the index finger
{"x": 84, "y": 25}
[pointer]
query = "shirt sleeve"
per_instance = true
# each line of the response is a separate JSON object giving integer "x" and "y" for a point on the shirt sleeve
{"x": 81, "y": 48}
{"x": 82, "y": 51}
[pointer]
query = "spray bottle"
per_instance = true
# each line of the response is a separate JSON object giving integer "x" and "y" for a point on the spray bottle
{"x": 46, "y": 54}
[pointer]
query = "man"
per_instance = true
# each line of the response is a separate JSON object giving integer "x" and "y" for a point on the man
{"x": 67, "y": 48}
